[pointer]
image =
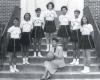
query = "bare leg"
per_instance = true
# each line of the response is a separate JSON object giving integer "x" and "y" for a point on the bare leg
{"x": 10, "y": 59}
{"x": 65, "y": 45}
{"x": 86, "y": 62}
{"x": 11, "y": 62}
{"x": 45, "y": 74}
{"x": 74, "y": 55}
{"x": 25, "y": 55}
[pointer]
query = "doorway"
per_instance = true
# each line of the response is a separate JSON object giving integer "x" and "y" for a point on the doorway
{"x": 31, "y": 5}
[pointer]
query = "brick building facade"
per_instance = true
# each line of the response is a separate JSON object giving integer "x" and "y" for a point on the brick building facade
{"x": 94, "y": 6}
{"x": 7, "y": 6}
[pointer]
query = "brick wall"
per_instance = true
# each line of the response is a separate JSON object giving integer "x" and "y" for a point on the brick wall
{"x": 6, "y": 8}
{"x": 94, "y": 6}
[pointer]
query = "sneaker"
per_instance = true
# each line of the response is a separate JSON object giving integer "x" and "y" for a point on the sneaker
{"x": 24, "y": 61}
{"x": 12, "y": 69}
{"x": 65, "y": 54}
{"x": 86, "y": 69}
{"x": 48, "y": 47}
{"x": 77, "y": 62}
{"x": 73, "y": 62}
{"x": 39, "y": 54}
{"x": 34, "y": 54}
{"x": 16, "y": 70}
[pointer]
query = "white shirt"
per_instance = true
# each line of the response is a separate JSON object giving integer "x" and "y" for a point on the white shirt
{"x": 50, "y": 15}
{"x": 38, "y": 21}
{"x": 64, "y": 20}
{"x": 86, "y": 29}
{"x": 76, "y": 23}
{"x": 14, "y": 32}
{"x": 26, "y": 26}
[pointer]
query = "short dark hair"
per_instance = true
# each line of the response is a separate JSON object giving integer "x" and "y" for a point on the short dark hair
{"x": 29, "y": 16}
{"x": 55, "y": 39}
{"x": 51, "y": 4}
{"x": 38, "y": 9}
{"x": 16, "y": 19}
{"x": 64, "y": 7}
{"x": 82, "y": 20}
{"x": 77, "y": 11}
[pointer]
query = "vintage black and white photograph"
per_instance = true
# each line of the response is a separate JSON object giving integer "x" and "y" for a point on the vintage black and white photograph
{"x": 49, "y": 39}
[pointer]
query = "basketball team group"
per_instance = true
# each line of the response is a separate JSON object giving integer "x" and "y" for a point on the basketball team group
{"x": 78, "y": 31}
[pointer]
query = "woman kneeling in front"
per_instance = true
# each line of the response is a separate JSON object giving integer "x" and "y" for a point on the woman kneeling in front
{"x": 55, "y": 60}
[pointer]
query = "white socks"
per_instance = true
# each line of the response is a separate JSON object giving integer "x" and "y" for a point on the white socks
{"x": 13, "y": 69}
{"x": 48, "y": 47}
{"x": 65, "y": 54}
{"x": 75, "y": 62}
{"x": 16, "y": 68}
{"x": 34, "y": 54}
{"x": 25, "y": 61}
{"x": 86, "y": 69}
{"x": 39, "y": 54}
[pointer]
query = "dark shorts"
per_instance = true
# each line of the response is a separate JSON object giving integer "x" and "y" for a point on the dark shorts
{"x": 14, "y": 45}
{"x": 25, "y": 38}
{"x": 86, "y": 42}
{"x": 50, "y": 27}
{"x": 64, "y": 31}
{"x": 37, "y": 32}
{"x": 75, "y": 36}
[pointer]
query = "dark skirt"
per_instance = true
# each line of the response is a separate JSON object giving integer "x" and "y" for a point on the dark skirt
{"x": 14, "y": 45}
{"x": 25, "y": 38}
{"x": 64, "y": 31}
{"x": 50, "y": 27}
{"x": 75, "y": 36}
{"x": 37, "y": 32}
{"x": 86, "y": 42}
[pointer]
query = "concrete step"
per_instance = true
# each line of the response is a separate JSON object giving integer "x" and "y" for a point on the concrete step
{"x": 44, "y": 45}
{"x": 39, "y": 79}
{"x": 36, "y": 67}
{"x": 69, "y": 52}
{"x": 60, "y": 76}
{"x": 35, "y": 70}
{"x": 41, "y": 60}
